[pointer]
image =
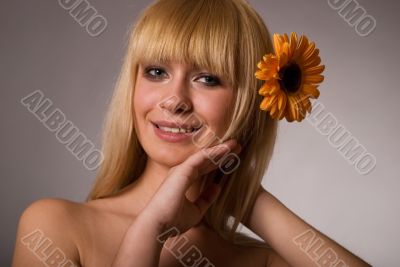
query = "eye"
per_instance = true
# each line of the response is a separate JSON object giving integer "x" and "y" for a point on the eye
{"x": 155, "y": 73}
{"x": 210, "y": 80}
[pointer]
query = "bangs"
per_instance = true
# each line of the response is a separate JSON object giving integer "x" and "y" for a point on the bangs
{"x": 200, "y": 33}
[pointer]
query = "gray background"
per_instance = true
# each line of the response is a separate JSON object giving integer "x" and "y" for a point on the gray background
{"x": 43, "y": 48}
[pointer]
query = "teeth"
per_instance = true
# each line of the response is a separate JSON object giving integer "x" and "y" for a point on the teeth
{"x": 175, "y": 130}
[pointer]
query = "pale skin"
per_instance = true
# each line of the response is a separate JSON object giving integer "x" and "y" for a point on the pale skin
{"x": 123, "y": 230}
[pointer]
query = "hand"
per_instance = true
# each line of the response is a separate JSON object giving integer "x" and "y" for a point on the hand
{"x": 170, "y": 207}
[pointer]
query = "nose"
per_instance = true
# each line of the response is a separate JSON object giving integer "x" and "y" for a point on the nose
{"x": 177, "y": 100}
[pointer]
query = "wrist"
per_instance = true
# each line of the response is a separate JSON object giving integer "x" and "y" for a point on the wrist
{"x": 149, "y": 221}
{"x": 141, "y": 239}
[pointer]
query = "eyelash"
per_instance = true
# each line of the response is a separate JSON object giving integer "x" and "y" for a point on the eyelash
{"x": 216, "y": 81}
{"x": 147, "y": 71}
{"x": 151, "y": 76}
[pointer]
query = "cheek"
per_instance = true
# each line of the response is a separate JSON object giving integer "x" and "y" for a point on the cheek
{"x": 144, "y": 100}
{"x": 216, "y": 110}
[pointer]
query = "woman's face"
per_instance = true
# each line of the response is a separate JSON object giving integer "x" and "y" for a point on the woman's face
{"x": 173, "y": 92}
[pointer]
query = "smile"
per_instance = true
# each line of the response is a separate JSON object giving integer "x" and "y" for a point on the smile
{"x": 176, "y": 130}
{"x": 174, "y": 134}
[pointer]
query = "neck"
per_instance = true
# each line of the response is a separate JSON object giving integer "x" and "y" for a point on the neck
{"x": 141, "y": 191}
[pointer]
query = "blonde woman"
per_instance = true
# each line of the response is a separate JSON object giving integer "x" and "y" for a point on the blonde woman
{"x": 169, "y": 198}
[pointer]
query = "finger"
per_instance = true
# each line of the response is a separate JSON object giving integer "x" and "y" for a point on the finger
{"x": 210, "y": 194}
{"x": 222, "y": 160}
{"x": 185, "y": 174}
{"x": 208, "y": 159}
{"x": 207, "y": 198}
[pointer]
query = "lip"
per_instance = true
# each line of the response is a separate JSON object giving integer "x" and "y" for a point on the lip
{"x": 171, "y": 137}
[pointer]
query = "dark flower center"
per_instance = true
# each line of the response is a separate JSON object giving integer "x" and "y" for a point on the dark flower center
{"x": 290, "y": 77}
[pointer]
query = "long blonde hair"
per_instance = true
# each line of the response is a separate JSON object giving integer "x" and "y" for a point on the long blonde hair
{"x": 226, "y": 37}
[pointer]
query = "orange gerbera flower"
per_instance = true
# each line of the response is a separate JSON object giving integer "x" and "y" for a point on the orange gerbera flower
{"x": 291, "y": 77}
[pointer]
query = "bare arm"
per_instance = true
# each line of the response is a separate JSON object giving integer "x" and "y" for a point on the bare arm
{"x": 296, "y": 241}
{"x": 170, "y": 209}
{"x": 140, "y": 239}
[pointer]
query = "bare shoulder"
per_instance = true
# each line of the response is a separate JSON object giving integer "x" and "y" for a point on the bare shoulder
{"x": 48, "y": 234}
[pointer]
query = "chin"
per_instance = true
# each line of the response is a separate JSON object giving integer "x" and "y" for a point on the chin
{"x": 169, "y": 155}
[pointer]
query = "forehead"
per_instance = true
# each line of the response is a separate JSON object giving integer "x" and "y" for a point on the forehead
{"x": 201, "y": 36}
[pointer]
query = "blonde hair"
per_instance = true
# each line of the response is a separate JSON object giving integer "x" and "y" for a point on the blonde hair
{"x": 226, "y": 37}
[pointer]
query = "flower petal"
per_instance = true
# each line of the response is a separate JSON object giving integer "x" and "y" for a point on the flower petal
{"x": 274, "y": 111}
{"x": 310, "y": 50}
{"x": 293, "y": 44}
{"x": 310, "y": 91}
{"x": 263, "y": 104}
{"x": 292, "y": 108}
{"x": 307, "y": 105}
{"x": 310, "y": 57}
{"x": 301, "y": 46}
{"x": 277, "y": 44}
{"x": 314, "y": 78}
{"x": 312, "y": 62}
{"x": 267, "y": 102}
{"x": 281, "y": 105}
{"x": 265, "y": 74}
{"x": 288, "y": 113}
{"x": 282, "y": 101}
{"x": 314, "y": 70}
{"x": 270, "y": 87}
